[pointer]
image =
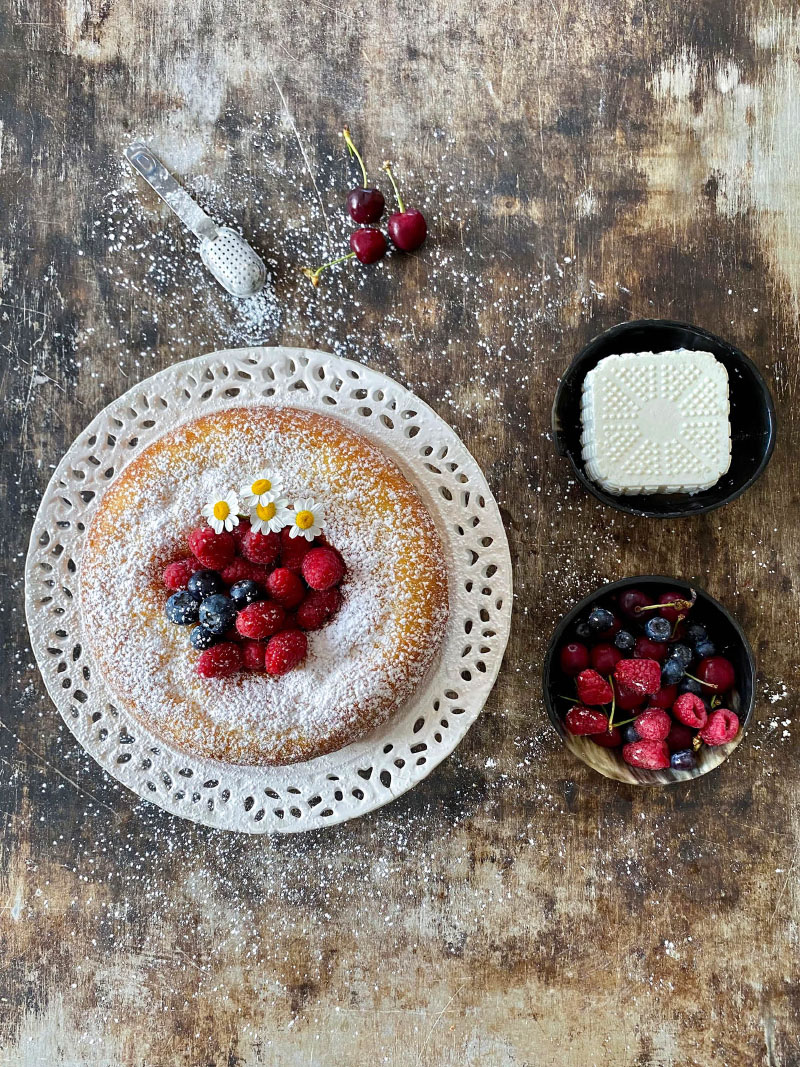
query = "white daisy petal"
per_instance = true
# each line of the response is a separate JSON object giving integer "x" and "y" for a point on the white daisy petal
{"x": 270, "y": 516}
{"x": 222, "y": 511}
{"x": 265, "y": 485}
{"x": 307, "y": 519}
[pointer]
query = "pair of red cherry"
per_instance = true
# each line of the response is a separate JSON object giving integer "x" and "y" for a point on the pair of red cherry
{"x": 407, "y": 228}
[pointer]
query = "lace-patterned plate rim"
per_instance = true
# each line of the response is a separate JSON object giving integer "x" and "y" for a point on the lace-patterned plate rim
{"x": 366, "y": 774}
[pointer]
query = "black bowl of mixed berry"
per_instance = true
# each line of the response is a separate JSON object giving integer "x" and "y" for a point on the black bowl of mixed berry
{"x": 650, "y": 681}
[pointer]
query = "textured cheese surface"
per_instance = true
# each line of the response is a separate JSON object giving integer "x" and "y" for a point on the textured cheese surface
{"x": 656, "y": 422}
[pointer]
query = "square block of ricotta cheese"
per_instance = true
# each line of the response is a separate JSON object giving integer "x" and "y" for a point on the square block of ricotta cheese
{"x": 656, "y": 422}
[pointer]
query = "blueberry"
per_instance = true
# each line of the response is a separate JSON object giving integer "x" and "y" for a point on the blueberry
{"x": 658, "y": 628}
{"x": 201, "y": 638}
{"x": 600, "y": 620}
{"x": 629, "y": 734}
{"x": 624, "y": 641}
{"x": 182, "y": 608}
{"x": 682, "y": 653}
{"x": 689, "y": 685}
{"x": 705, "y": 648}
{"x": 245, "y": 592}
{"x": 695, "y": 632}
{"x": 671, "y": 672}
{"x": 685, "y": 760}
{"x": 583, "y": 631}
{"x": 205, "y": 583}
{"x": 217, "y": 613}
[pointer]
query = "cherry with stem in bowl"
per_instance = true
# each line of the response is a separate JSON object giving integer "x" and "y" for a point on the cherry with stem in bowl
{"x": 407, "y": 229}
{"x": 365, "y": 204}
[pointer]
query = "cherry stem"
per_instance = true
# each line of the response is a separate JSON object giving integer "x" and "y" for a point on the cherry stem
{"x": 313, "y": 275}
{"x": 700, "y": 680}
{"x": 679, "y": 605}
{"x": 613, "y": 705}
{"x": 388, "y": 168}
{"x": 351, "y": 148}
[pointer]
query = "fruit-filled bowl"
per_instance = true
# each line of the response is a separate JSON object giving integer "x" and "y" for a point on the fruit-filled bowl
{"x": 751, "y": 415}
{"x": 650, "y": 681}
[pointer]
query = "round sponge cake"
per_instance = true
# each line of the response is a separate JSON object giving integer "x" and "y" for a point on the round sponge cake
{"x": 360, "y": 667}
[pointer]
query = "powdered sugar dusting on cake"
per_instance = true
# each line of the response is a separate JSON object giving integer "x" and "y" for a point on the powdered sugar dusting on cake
{"x": 361, "y": 665}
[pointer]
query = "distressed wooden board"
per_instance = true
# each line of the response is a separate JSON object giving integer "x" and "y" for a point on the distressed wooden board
{"x": 581, "y": 163}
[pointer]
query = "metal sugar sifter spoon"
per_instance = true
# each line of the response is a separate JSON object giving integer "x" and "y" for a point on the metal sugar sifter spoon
{"x": 227, "y": 255}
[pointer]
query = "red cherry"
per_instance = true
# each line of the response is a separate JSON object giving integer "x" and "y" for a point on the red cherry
{"x": 665, "y": 697}
{"x": 364, "y": 204}
{"x": 574, "y": 658}
{"x": 628, "y": 699}
{"x": 679, "y": 737}
{"x": 672, "y": 612}
{"x": 610, "y": 739}
{"x": 647, "y": 649}
{"x": 717, "y": 673}
{"x": 631, "y": 601}
{"x": 368, "y": 244}
{"x": 407, "y": 229}
{"x": 604, "y": 658}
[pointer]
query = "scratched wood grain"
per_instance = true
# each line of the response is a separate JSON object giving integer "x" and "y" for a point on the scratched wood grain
{"x": 581, "y": 163}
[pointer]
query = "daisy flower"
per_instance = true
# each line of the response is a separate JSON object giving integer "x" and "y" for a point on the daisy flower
{"x": 222, "y": 512}
{"x": 307, "y": 519}
{"x": 270, "y": 516}
{"x": 265, "y": 487}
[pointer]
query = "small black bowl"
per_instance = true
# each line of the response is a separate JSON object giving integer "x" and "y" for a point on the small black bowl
{"x": 723, "y": 629}
{"x": 752, "y": 415}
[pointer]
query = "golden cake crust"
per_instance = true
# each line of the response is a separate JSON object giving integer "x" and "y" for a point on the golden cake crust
{"x": 360, "y": 667}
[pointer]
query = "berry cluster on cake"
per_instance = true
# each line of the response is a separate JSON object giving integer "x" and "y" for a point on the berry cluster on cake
{"x": 262, "y": 585}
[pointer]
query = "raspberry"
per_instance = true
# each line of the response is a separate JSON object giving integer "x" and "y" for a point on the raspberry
{"x": 643, "y": 675}
{"x": 722, "y": 727}
{"x": 239, "y": 532}
{"x": 212, "y": 549}
{"x": 293, "y": 549}
{"x": 317, "y": 608}
{"x": 285, "y": 587}
{"x": 261, "y": 548}
{"x": 285, "y": 651}
{"x": 653, "y": 725}
{"x": 322, "y": 568}
{"x": 580, "y": 720}
{"x": 610, "y": 739}
{"x": 241, "y": 570}
{"x": 679, "y": 738}
{"x": 690, "y": 710}
{"x": 253, "y": 655}
{"x": 176, "y": 575}
{"x": 259, "y": 620}
{"x": 652, "y": 755}
{"x": 593, "y": 688}
{"x": 221, "y": 661}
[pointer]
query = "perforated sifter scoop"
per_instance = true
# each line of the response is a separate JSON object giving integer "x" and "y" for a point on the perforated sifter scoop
{"x": 227, "y": 255}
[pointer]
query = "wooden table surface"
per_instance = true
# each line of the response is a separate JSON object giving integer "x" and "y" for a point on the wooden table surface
{"x": 581, "y": 163}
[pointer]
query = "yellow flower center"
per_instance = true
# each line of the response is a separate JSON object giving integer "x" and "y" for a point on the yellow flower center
{"x": 261, "y": 485}
{"x": 304, "y": 519}
{"x": 265, "y": 511}
{"x": 221, "y": 510}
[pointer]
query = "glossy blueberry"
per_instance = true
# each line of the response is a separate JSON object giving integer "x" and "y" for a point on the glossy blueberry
{"x": 658, "y": 628}
{"x": 695, "y": 632}
{"x": 245, "y": 592}
{"x": 689, "y": 685}
{"x": 600, "y": 620}
{"x": 217, "y": 613}
{"x": 705, "y": 648}
{"x": 201, "y": 638}
{"x": 629, "y": 734}
{"x": 583, "y": 631}
{"x": 671, "y": 672}
{"x": 205, "y": 583}
{"x": 685, "y": 760}
{"x": 682, "y": 653}
{"x": 182, "y": 608}
{"x": 624, "y": 641}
